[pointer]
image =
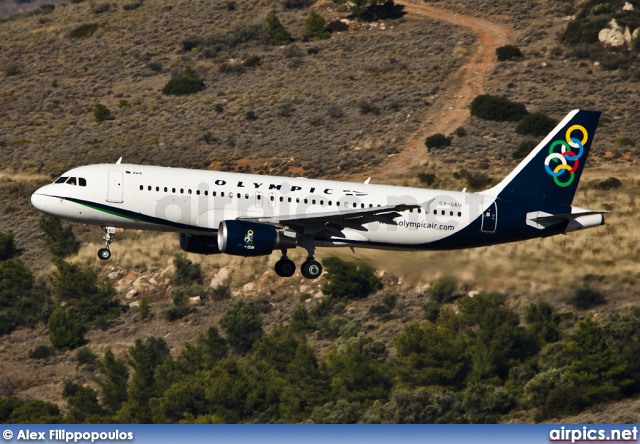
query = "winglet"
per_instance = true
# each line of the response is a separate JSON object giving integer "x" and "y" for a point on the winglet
{"x": 119, "y": 160}
{"x": 367, "y": 181}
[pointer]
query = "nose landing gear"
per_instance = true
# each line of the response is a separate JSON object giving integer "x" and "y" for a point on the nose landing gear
{"x": 104, "y": 253}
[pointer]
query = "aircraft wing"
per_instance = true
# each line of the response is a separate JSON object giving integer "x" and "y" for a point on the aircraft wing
{"x": 332, "y": 223}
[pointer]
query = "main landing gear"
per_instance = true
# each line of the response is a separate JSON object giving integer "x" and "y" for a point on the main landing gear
{"x": 104, "y": 253}
{"x": 311, "y": 269}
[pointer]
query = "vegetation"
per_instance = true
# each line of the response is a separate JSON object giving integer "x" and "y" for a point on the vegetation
{"x": 101, "y": 113}
{"x": 314, "y": 26}
{"x": 508, "y": 53}
{"x": 523, "y": 149}
{"x": 60, "y": 241}
{"x": 277, "y": 33}
{"x": 188, "y": 82}
{"x": 536, "y": 124}
{"x": 496, "y": 108}
{"x": 83, "y": 31}
{"x": 437, "y": 141}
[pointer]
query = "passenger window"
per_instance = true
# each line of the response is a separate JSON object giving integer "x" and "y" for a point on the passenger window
{"x": 222, "y": 194}
{"x": 213, "y": 193}
{"x": 82, "y": 182}
{"x": 149, "y": 188}
{"x": 330, "y": 203}
{"x": 181, "y": 190}
{"x": 289, "y": 200}
{"x": 355, "y": 205}
{"x": 246, "y": 196}
{"x": 271, "y": 198}
{"x": 165, "y": 189}
{"x": 313, "y": 201}
{"x": 297, "y": 200}
{"x": 281, "y": 199}
{"x": 259, "y": 197}
{"x": 157, "y": 188}
{"x": 450, "y": 213}
{"x": 419, "y": 210}
{"x": 206, "y": 193}
{"x": 239, "y": 195}
{"x": 141, "y": 188}
{"x": 322, "y": 202}
{"x": 71, "y": 181}
{"x": 459, "y": 214}
{"x": 61, "y": 179}
{"x": 173, "y": 190}
{"x": 306, "y": 201}
{"x": 189, "y": 191}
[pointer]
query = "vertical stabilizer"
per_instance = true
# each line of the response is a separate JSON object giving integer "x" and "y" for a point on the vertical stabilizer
{"x": 551, "y": 172}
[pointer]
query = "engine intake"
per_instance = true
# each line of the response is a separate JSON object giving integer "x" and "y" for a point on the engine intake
{"x": 240, "y": 238}
{"x": 195, "y": 243}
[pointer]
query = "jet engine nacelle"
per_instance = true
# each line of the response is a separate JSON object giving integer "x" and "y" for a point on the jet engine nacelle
{"x": 241, "y": 238}
{"x": 194, "y": 243}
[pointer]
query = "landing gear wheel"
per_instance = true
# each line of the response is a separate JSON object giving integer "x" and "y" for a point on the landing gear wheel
{"x": 285, "y": 268}
{"x": 104, "y": 254}
{"x": 311, "y": 269}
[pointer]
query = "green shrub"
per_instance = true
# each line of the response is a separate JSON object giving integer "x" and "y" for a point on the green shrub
{"x": 586, "y": 297}
{"x": 301, "y": 322}
{"x": 122, "y": 103}
{"x": 625, "y": 141}
{"x": 221, "y": 293}
{"x": 460, "y": 132}
{"x": 251, "y": 116}
{"x": 610, "y": 183}
{"x": 181, "y": 86}
{"x": 101, "y": 7}
{"x": 536, "y": 124}
{"x": 314, "y": 24}
{"x": 253, "y": 61}
{"x": 83, "y": 31}
{"x": 65, "y": 330}
{"x": 101, "y": 113}
{"x": 443, "y": 290}
{"x": 186, "y": 272}
{"x": 431, "y": 310}
{"x": 500, "y": 109}
{"x": 367, "y": 107}
{"x": 8, "y": 248}
{"x": 177, "y": 312}
{"x": 85, "y": 356}
{"x": 584, "y": 31}
{"x": 523, "y": 149}
{"x": 485, "y": 403}
{"x": 242, "y": 324}
{"x": 508, "y": 53}
{"x": 426, "y": 178}
{"x": 144, "y": 309}
{"x": 130, "y": 6}
{"x": 437, "y": 141}
{"x": 60, "y": 241}
{"x": 346, "y": 280}
{"x": 42, "y": 352}
{"x": 277, "y": 33}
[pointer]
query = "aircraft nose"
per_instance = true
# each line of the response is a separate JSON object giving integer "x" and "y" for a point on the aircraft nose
{"x": 41, "y": 201}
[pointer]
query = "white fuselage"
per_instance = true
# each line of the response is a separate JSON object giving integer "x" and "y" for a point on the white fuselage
{"x": 196, "y": 201}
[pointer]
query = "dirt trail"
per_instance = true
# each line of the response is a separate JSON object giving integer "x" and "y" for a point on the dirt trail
{"x": 451, "y": 108}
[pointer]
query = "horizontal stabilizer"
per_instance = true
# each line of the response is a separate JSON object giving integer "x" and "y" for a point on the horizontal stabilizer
{"x": 577, "y": 220}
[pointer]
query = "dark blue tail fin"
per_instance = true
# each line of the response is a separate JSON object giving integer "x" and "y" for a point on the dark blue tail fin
{"x": 551, "y": 172}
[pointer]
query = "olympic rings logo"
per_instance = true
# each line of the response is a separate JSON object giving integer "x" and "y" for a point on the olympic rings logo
{"x": 248, "y": 238}
{"x": 557, "y": 164}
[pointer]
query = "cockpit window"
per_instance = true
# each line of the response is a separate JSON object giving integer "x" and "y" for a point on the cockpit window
{"x": 82, "y": 181}
{"x": 62, "y": 179}
{"x": 71, "y": 181}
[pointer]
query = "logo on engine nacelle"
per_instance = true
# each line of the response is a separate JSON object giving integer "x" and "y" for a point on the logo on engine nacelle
{"x": 248, "y": 240}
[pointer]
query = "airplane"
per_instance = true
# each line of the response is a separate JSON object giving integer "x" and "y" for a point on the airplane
{"x": 253, "y": 215}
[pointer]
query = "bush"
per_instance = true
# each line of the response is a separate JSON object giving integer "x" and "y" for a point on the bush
{"x": 188, "y": 82}
{"x": 176, "y": 312}
{"x": 101, "y": 7}
{"x": 460, "y": 132}
{"x": 443, "y": 290}
{"x": 42, "y": 352}
{"x": 65, "y": 330}
{"x": 625, "y": 141}
{"x": 187, "y": 273}
{"x": 523, "y": 149}
{"x": 101, "y": 113}
{"x": 437, "y": 141}
{"x": 132, "y": 5}
{"x": 346, "y": 281}
{"x": 85, "y": 356}
{"x": 586, "y": 297}
{"x": 221, "y": 293}
{"x": 484, "y": 403}
{"x": 277, "y": 33}
{"x": 8, "y": 248}
{"x": 251, "y": 116}
{"x": 253, "y": 61}
{"x": 366, "y": 107}
{"x": 536, "y": 124}
{"x": 83, "y": 31}
{"x": 508, "y": 53}
{"x": 431, "y": 310}
{"x": 584, "y": 31}
{"x": 426, "y": 178}
{"x": 242, "y": 324}
{"x": 60, "y": 241}
{"x": 314, "y": 26}
{"x": 610, "y": 183}
{"x": 144, "y": 309}
{"x": 499, "y": 109}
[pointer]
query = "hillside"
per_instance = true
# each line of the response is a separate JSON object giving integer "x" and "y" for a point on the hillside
{"x": 358, "y": 104}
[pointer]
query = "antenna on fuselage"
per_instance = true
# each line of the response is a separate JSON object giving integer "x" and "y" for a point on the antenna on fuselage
{"x": 367, "y": 181}
{"x": 119, "y": 160}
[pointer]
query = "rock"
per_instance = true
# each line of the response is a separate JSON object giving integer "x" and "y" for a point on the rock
{"x": 627, "y": 7}
{"x": 248, "y": 287}
{"x": 113, "y": 275}
{"x": 221, "y": 277}
{"x": 131, "y": 293}
{"x": 304, "y": 289}
{"x": 318, "y": 295}
{"x": 153, "y": 281}
{"x": 473, "y": 293}
{"x": 195, "y": 300}
{"x": 612, "y": 36}
{"x": 134, "y": 304}
{"x": 169, "y": 270}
